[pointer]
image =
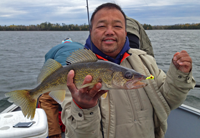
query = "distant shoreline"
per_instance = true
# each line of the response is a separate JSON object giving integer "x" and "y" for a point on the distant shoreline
{"x": 74, "y": 27}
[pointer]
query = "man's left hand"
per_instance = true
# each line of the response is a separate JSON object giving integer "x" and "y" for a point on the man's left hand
{"x": 182, "y": 61}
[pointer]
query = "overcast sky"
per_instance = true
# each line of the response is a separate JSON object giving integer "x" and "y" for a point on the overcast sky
{"x": 154, "y": 12}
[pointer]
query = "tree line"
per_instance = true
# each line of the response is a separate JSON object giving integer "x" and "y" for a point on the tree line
{"x": 171, "y": 27}
{"x": 47, "y": 26}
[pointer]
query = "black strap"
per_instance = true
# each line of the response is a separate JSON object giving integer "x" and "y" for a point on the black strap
{"x": 101, "y": 121}
{"x": 133, "y": 41}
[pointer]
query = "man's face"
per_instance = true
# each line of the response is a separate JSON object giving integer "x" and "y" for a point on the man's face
{"x": 108, "y": 31}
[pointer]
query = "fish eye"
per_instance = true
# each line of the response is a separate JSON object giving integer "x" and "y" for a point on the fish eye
{"x": 128, "y": 75}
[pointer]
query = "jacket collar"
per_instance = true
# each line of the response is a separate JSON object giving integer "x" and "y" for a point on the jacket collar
{"x": 100, "y": 55}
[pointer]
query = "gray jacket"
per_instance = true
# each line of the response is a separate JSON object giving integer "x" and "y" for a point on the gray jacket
{"x": 139, "y": 113}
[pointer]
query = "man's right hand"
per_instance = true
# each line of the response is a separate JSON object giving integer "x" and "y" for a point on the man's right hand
{"x": 85, "y": 98}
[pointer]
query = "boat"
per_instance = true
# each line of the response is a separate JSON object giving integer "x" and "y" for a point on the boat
{"x": 184, "y": 122}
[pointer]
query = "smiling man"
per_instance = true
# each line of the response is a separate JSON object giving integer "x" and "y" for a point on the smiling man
{"x": 108, "y": 32}
{"x": 138, "y": 113}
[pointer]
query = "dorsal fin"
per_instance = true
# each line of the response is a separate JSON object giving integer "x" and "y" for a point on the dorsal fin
{"x": 48, "y": 68}
{"x": 81, "y": 55}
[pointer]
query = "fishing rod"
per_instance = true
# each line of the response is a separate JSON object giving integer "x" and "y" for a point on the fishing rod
{"x": 89, "y": 24}
{"x": 88, "y": 13}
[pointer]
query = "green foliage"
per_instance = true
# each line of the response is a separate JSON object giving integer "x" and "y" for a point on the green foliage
{"x": 184, "y": 26}
{"x": 46, "y": 26}
{"x": 177, "y": 26}
{"x": 147, "y": 27}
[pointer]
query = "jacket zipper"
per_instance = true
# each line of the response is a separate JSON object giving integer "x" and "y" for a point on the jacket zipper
{"x": 140, "y": 100}
{"x": 132, "y": 106}
{"x": 108, "y": 96}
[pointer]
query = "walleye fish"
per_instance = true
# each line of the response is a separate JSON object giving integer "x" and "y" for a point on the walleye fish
{"x": 53, "y": 78}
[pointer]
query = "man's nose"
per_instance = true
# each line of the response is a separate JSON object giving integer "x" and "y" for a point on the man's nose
{"x": 109, "y": 31}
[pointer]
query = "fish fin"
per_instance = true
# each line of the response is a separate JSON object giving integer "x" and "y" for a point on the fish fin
{"x": 104, "y": 95}
{"x": 58, "y": 95}
{"x": 23, "y": 99}
{"x": 48, "y": 68}
{"x": 81, "y": 55}
{"x": 90, "y": 85}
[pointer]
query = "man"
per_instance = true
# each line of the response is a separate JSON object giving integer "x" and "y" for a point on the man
{"x": 50, "y": 106}
{"x": 139, "y": 113}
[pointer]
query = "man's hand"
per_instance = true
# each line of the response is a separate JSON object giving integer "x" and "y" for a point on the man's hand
{"x": 182, "y": 61}
{"x": 85, "y": 97}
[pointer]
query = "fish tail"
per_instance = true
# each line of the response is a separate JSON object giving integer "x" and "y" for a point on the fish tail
{"x": 23, "y": 99}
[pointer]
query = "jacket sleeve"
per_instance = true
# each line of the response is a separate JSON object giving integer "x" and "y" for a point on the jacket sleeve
{"x": 80, "y": 123}
{"x": 174, "y": 85}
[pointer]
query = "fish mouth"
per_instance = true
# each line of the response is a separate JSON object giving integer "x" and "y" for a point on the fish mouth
{"x": 135, "y": 84}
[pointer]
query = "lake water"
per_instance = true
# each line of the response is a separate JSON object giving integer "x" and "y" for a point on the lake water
{"x": 22, "y": 55}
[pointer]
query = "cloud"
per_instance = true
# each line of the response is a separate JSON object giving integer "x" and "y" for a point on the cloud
{"x": 166, "y": 15}
{"x": 23, "y": 12}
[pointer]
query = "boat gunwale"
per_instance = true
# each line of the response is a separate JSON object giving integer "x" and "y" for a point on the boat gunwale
{"x": 190, "y": 109}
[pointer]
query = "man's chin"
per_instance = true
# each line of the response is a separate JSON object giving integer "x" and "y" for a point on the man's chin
{"x": 111, "y": 53}
{"x": 108, "y": 50}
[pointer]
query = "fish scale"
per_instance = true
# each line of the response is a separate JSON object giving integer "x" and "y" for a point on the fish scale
{"x": 53, "y": 79}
